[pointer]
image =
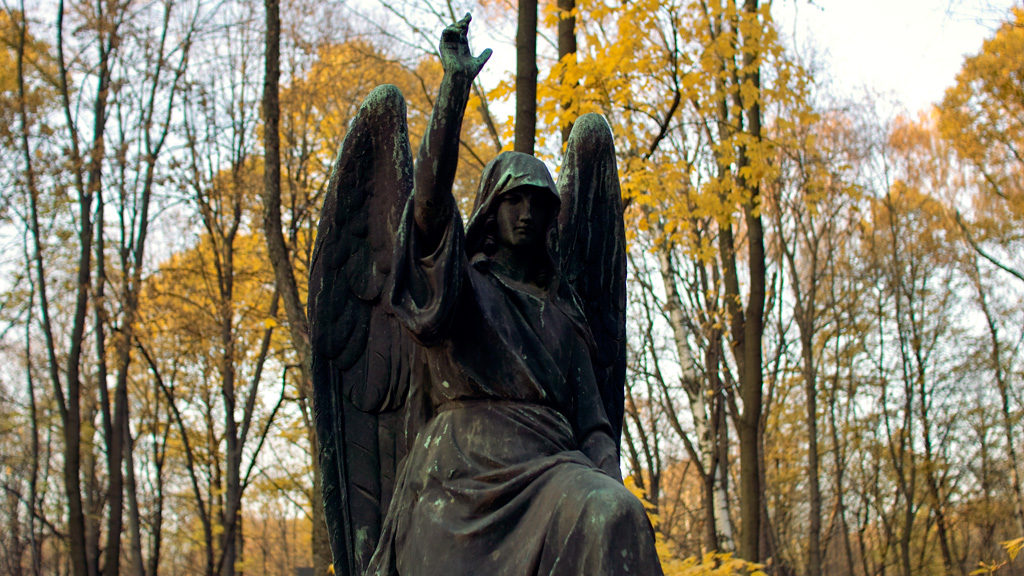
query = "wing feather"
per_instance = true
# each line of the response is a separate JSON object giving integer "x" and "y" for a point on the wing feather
{"x": 592, "y": 240}
{"x": 358, "y": 368}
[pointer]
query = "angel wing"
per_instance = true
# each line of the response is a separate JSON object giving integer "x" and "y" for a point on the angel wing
{"x": 360, "y": 353}
{"x": 592, "y": 239}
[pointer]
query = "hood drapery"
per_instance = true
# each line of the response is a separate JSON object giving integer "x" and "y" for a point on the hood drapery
{"x": 507, "y": 172}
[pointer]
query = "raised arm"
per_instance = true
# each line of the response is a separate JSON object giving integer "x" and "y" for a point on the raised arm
{"x": 439, "y": 152}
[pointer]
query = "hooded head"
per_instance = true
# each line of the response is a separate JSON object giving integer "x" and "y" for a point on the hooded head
{"x": 512, "y": 171}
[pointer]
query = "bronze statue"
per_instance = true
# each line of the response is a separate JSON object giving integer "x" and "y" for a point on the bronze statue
{"x": 468, "y": 385}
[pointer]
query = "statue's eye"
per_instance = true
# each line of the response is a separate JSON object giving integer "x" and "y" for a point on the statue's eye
{"x": 514, "y": 198}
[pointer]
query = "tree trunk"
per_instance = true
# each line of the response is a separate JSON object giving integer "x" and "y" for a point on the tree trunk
{"x": 724, "y": 529}
{"x": 526, "y": 77}
{"x": 233, "y": 458}
{"x": 112, "y": 422}
{"x": 280, "y": 260}
{"x": 1005, "y": 413}
{"x": 135, "y": 560}
{"x": 566, "y": 47}
{"x": 814, "y": 488}
{"x": 87, "y": 177}
{"x": 805, "y": 322}
{"x": 840, "y": 467}
{"x": 157, "y": 523}
{"x": 715, "y": 465}
{"x": 14, "y": 547}
{"x": 751, "y": 376}
{"x": 30, "y": 184}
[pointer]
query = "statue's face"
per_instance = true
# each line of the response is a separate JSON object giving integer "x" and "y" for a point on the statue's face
{"x": 522, "y": 217}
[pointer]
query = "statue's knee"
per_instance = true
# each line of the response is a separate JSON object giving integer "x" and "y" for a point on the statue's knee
{"x": 614, "y": 502}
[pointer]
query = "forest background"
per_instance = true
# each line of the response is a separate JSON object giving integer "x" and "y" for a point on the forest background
{"x": 825, "y": 311}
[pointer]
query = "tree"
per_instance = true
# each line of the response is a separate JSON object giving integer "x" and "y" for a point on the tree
{"x": 209, "y": 346}
{"x": 981, "y": 116}
{"x": 142, "y": 112}
{"x": 914, "y": 284}
{"x": 566, "y": 47}
{"x": 526, "y": 77}
{"x": 25, "y": 98}
{"x": 277, "y": 249}
{"x": 811, "y": 215}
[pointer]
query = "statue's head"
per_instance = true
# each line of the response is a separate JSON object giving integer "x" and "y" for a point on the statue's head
{"x": 516, "y": 208}
{"x": 521, "y": 219}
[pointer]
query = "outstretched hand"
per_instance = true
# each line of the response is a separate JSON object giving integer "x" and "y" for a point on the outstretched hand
{"x": 456, "y": 58}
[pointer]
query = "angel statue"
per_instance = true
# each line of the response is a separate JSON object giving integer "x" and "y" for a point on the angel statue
{"x": 468, "y": 382}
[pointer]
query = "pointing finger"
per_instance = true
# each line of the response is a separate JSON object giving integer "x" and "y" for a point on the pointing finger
{"x": 483, "y": 57}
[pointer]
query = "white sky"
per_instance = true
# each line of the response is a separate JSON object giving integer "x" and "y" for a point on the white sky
{"x": 908, "y": 49}
{"x": 904, "y": 51}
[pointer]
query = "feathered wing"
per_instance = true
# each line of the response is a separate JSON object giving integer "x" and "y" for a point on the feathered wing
{"x": 360, "y": 353}
{"x": 592, "y": 244}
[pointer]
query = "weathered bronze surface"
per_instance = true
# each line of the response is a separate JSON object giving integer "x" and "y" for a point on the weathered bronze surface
{"x": 468, "y": 382}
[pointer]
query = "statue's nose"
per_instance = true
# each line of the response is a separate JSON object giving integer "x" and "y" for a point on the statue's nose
{"x": 526, "y": 215}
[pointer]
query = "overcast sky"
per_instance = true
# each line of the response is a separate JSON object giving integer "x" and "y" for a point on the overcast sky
{"x": 909, "y": 49}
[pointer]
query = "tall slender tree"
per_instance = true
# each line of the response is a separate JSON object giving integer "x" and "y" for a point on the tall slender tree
{"x": 280, "y": 260}
{"x": 566, "y": 49}
{"x": 526, "y": 77}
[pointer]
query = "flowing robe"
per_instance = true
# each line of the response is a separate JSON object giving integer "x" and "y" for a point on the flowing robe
{"x": 514, "y": 470}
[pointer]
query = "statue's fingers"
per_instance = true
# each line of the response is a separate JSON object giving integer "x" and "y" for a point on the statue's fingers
{"x": 479, "y": 61}
{"x": 482, "y": 59}
{"x": 462, "y": 25}
{"x": 451, "y": 34}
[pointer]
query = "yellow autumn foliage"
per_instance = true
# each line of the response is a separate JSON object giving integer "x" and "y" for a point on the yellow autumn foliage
{"x": 1012, "y": 547}
{"x": 982, "y": 117}
{"x": 709, "y": 564}
{"x": 38, "y": 68}
{"x": 318, "y": 105}
{"x": 674, "y": 79}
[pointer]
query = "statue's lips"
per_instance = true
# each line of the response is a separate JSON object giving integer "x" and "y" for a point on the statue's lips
{"x": 524, "y": 233}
